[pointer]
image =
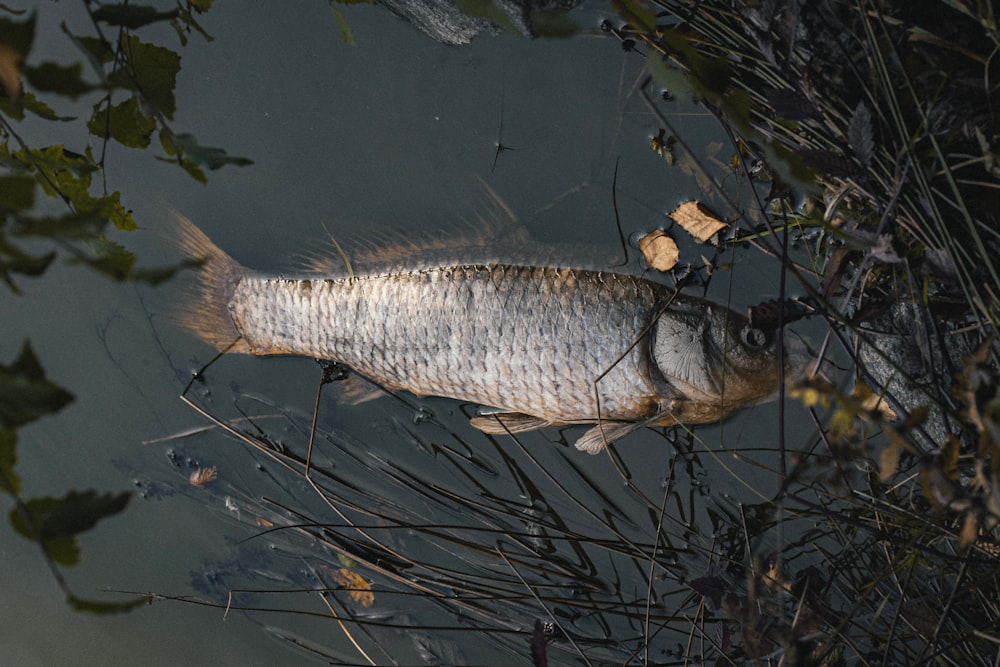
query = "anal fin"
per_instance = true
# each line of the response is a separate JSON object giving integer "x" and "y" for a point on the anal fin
{"x": 501, "y": 423}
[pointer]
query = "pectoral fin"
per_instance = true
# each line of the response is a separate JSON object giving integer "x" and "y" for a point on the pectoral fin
{"x": 595, "y": 439}
{"x": 501, "y": 423}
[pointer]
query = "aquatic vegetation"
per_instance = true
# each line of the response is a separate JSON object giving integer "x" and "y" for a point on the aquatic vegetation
{"x": 878, "y": 543}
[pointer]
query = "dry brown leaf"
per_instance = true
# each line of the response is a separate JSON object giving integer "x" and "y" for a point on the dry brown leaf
{"x": 888, "y": 462}
{"x": 697, "y": 220}
{"x": 659, "y": 250}
{"x": 970, "y": 531}
{"x": 10, "y": 71}
{"x": 874, "y": 403}
{"x": 357, "y": 587}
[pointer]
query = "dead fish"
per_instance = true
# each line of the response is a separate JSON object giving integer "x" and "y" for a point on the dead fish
{"x": 540, "y": 345}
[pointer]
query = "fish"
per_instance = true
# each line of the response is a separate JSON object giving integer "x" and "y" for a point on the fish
{"x": 535, "y": 343}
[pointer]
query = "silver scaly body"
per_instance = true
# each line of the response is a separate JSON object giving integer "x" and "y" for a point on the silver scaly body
{"x": 540, "y": 345}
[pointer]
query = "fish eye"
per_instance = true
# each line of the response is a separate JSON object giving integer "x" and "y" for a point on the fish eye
{"x": 753, "y": 338}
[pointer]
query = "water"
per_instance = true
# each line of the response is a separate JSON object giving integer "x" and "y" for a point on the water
{"x": 390, "y": 135}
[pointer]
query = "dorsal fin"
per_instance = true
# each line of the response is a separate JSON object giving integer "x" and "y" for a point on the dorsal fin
{"x": 488, "y": 234}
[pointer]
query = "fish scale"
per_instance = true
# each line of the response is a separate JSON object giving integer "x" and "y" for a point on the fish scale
{"x": 496, "y": 335}
{"x": 540, "y": 345}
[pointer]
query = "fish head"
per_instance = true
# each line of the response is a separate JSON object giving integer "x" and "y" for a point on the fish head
{"x": 715, "y": 359}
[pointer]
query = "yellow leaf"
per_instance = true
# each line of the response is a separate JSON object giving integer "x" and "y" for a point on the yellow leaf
{"x": 949, "y": 458}
{"x": 888, "y": 462}
{"x": 659, "y": 250}
{"x": 357, "y": 587}
{"x": 697, "y": 220}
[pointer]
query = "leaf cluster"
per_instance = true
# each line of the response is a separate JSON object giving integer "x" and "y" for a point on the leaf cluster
{"x": 53, "y": 523}
{"x": 134, "y": 82}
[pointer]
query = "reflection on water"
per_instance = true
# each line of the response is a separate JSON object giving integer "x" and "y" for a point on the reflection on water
{"x": 459, "y": 535}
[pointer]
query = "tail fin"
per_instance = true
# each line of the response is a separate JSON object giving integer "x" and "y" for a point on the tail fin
{"x": 205, "y": 311}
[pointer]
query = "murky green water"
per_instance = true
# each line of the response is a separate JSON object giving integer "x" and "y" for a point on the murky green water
{"x": 388, "y": 135}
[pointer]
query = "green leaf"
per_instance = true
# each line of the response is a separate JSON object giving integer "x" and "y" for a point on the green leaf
{"x": 790, "y": 168}
{"x": 125, "y": 123}
{"x": 191, "y": 156}
{"x": 553, "y": 23}
{"x": 55, "y": 522}
{"x": 669, "y": 77}
{"x": 17, "y": 192}
{"x": 55, "y": 158}
{"x": 76, "y": 512}
{"x": 110, "y": 208}
{"x": 162, "y": 274}
{"x": 151, "y": 71}
{"x": 194, "y": 171}
{"x": 110, "y": 259}
{"x": 18, "y": 36}
{"x": 15, "y": 260}
{"x": 131, "y": 16}
{"x": 31, "y": 103}
{"x": 485, "y": 9}
{"x": 25, "y": 393}
{"x": 97, "y": 51}
{"x": 64, "y": 80}
{"x": 206, "y": 156}
{"x": 104, "y": 608}
{"x": 72, "y": 226}
{"x": 10, "y": 108}
{"x": 9, "y": 481}
{"x": 346, "y": 34}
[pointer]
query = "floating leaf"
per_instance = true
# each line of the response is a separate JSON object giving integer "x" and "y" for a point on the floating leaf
{"x": 343, "y": 27}
{"x": 25, "y": 393}
{"x": 659, "y": 250}
{"x": 669, "y": 77}
{"x": 697, "y": 220}
{"x": 663, "y": 145}
{"x": 103, "y": 608}
{"x": 358, "y": 588}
